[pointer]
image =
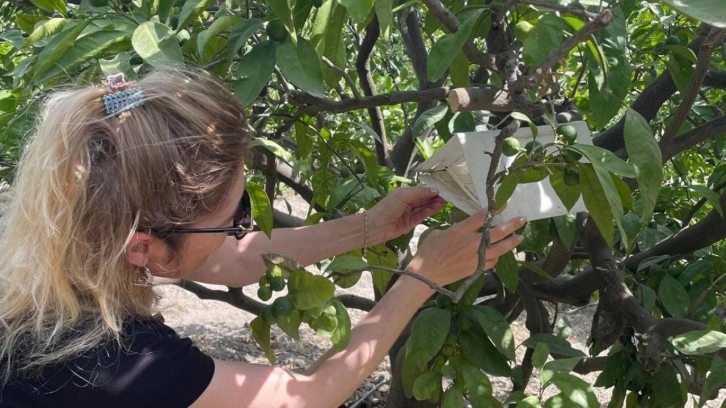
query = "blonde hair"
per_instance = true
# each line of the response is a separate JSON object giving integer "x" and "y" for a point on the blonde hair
{"x": 85, "y": 183}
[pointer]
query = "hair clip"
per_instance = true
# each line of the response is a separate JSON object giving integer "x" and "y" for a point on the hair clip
{"x": 122, "y": 97}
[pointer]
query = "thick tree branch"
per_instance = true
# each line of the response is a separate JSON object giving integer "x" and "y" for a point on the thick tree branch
{"x": 709, "y": 230}
{"x": 602, "y": 20}
{"x": 395, "y": 98}
{"x": 492, "y": 99}
{"x": 362, "y": 66}
{"x": 670, "y": 148}
{"x": 232, "y": 296}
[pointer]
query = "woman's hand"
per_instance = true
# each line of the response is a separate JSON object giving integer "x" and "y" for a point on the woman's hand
{"x": 400, "y": 211}
{"x": 449, "y": 255}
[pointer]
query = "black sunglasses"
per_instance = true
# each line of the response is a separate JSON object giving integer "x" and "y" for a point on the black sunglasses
{"x": 241, "y": 222}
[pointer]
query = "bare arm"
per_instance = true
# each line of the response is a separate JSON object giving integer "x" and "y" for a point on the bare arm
{"x": 339, "y": 373}
{"x": 238, "y": 263}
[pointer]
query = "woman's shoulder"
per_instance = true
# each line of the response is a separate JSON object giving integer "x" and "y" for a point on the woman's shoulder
{"x": 150, "y": 364}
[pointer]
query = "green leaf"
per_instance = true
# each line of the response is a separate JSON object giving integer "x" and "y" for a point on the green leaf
{"x": 341, "y": 266}
{"x": 506, "y": 189}
{"x": 410, "y": 371}
{"x": 308, "y": 290}
{"x": 669, "y": 392}
{"x": 261, "y": 333}
{"x": 290, "y": 324}
{"x": 605, "y": 159}
{"x": 327, "y": 35}
{"x": 566, "y": 226}
{"x": 157, "y": 45}
{"x": 220, "y": 25}
{"x": 57, "y": 47}
{"x": 301, "y": 65}
{"x": 85, "y": 49}
{"x": 557, "y": 345}
{"x": 507, "y": 269}
{"x": 476, "y": 383}
{"x": 567, "y": 194}
{"x": 283, "y": 11}
{"x": 681, "y": 71}
{"x": 191, "y": 9}
{"x": 427, "y": 119}
{"x": 472, "y": 292}
{"x": 428, "y": 333}
{"x": 459, "y": 70}
{"x": 240, "y": 35}
{"x": 51, "y": 5}
{"x": 341, "y": 334}
{"x": 699, "y": 341}
{"x": 49, "y": 28}
{"x": 445, "y": 50}
{"x": 530, "y": 402}
{"x": 482, "y": 353}
{"x": 709, "y": 11}
{"x": 540, "y": 355}
{"x": 384, "y": 12}
{"x": 544, "y": 38}
{"x": 562, "y": 365}
{"x": 274, "y": 147}
{"x": 380, "y": 255}
{"x": 576, "y": 390}
{"x": 453, "y": 398}
{"x": 495, "y": 326}
{"x": 427, "y": 386}
{"x": 596, "y": 203}
{"x": 646, "y": 157}
{"x": 120, "y": 63}
{"x": 673, "y": 296}
{"x": 254, "y": 70}
{"x": 261, "y": 208}
{"x": 714, "y": 382}
{"x": 358, "y": 9}
{"x": 711, "y": 196}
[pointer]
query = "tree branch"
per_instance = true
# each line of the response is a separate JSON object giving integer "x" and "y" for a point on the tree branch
{"x": 602, "y": 20}
{"x": 670, "y": 148}
{"x": 702, "y": 63}
{"x": 362, "y": 66}
{"x": 395, "y": 98}
{"x": 494, "y": 100}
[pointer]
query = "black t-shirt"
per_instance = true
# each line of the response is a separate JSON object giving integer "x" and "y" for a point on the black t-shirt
{"x": 154, "y": 368}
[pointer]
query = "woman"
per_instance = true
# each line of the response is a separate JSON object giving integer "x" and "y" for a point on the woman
{"x": 139, "y": 180}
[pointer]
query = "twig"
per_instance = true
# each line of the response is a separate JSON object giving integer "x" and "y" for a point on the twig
{"x": 344, "y": 74}
{"x": 694, "y": 306}
{"x": 575, "y": 9}
{"x": 433, "y": 285}
{"x": 603, "y": 19}
{"x": 687, "y": 219}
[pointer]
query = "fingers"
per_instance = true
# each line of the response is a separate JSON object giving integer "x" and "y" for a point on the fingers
{"x": 417, "y": 196}
{"x": 507, "y": 228}
{"x": 494, "y": 251}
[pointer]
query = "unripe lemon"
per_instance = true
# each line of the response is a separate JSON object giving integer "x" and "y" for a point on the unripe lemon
{"x": 276, "y": 30}
{"x": 522, "y": 29}
{"x": 510, "y": 146}
{"x": 568, "y": 133}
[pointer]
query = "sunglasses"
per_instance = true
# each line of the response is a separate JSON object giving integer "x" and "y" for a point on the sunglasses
{"x": 241, "y": 222}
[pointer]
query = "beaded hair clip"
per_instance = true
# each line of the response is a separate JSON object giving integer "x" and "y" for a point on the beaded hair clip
{"x": 122, "y": 97}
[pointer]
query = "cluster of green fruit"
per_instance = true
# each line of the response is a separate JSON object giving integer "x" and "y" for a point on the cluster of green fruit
{"x": 567, "y": 134}
{"x": 271, "y": 281}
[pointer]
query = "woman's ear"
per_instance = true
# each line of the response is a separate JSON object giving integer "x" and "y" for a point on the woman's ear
{"x": 137, "y": 250}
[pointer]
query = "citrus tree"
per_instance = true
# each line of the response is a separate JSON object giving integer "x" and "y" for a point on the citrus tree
{"x": 347, "y": 96}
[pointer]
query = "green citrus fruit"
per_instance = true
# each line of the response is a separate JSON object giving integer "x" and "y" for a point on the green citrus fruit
{"x": 268, "y": 315}
{"x": 673, "y": 40}
{"x": 522, "y": 29}
{"x": 277, "y": 283}
{"x": 264, "y": 293}
{"x": 276, "y": 30}
{"x": 274, "y": 270}
{"x": 572, "y": 177}
{"x": 443, "y": 301}
{"x": 450, "y": 339}
{"x": 264, "y": 280}
{"x": 447, "y": 351}
{"x": 568, "y": 133}
{"x": 534, "y": 147}
{"x": 282, "y": 306}
{"x": 510, "y": 147}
